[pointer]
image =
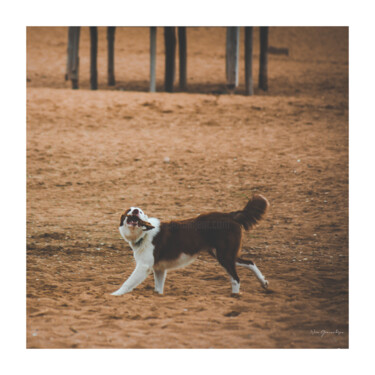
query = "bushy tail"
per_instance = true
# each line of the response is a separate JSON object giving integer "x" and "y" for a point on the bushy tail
{"x": 252, "y": 213}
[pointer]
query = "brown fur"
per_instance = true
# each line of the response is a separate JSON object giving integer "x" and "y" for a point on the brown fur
{"x": 219, "y": 231}
{"x": 252, "y": 213}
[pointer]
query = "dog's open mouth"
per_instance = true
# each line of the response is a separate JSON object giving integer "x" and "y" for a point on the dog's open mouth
{"x": 133, "y": 221}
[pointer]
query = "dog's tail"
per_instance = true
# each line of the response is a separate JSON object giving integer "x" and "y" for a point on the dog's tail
{"x": 252, "y": 213}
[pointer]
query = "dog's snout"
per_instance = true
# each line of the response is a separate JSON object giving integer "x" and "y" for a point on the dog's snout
{"x": 135, "y": 212}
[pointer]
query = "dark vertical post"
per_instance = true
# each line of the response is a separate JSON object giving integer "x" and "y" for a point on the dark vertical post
{"x": 69, "y": 53}
{"x": 182, "y": 56}
{"x": 111, "y": 55}
{"x": 72, "y": 69}
{"x": 232, "y": 56}
{"x": 93, "y": 58}
{"x": 170, "y": 52}
{"x": 249, "y": 60}
{"x": 152, "y": 59}
{"x": 263, "y": 58}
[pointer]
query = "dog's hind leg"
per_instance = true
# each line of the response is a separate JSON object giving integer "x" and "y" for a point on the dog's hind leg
{"x": 227, "y": 261}
{"x": 251, "y": 266}
{"x": 159, "y": 276}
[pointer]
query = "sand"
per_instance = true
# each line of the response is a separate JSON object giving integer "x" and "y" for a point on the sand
{"x": 92, "y": 154}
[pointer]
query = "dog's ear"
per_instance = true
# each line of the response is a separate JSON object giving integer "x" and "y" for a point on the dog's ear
{"x": 123, "y": 216}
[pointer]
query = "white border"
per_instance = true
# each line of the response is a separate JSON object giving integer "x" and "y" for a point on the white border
{"x": 17, "y": 15}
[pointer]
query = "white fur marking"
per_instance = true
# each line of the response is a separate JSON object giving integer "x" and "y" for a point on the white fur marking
{"x": 257, "y": 273}
{"x": 159, "y": 276}
{"x": 139, "y": 274}
{"x": 143, "y": 254}
{"x": 235, "y": 286}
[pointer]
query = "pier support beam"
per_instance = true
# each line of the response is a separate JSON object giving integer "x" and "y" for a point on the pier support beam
{"x": 111, "y": 55}
{"x": 249, "y": 61}
{"x": 182, "y": 57}
{"x": 170, "y": 61}
{"x": 232, "y": 57}
{"x": 152, "y": 59}
{"x": 93, "y": 58}
{"x": 72, "y": 68}
{"x": 263, "y": 59}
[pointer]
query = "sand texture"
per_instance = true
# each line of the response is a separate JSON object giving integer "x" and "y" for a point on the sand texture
{"x": 92, "y": 154}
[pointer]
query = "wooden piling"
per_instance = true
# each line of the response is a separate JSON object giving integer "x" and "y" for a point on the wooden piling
{"x": 69, "y": 53}
{"x": 111, "y": 55}
{"x": 232, "y": 56}
{"x": 170, "y": 52}
{"x": 263, "y": 59}
{"x": 152, "y": 59}
{"x": 72, "y": 69}
{"x": 93, "y": 58}
{"x": 182, "y": 57}
{"x": 249, "y": 60}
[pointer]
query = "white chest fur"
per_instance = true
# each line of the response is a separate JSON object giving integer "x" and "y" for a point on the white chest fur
{"x": 143, "y": 248}
{"x": 143, "y": 254}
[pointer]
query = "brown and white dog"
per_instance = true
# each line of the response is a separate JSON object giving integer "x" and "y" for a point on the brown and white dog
{"x": 160, "y": 247}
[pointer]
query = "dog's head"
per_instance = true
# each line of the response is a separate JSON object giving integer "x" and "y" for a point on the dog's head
{"x": 132, "y": 224}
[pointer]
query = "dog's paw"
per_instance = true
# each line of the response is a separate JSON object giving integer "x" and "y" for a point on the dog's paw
{"x": 117, "y": 293}
{"x": 265, "y": 284}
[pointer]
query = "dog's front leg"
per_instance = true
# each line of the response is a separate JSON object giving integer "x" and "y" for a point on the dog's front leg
{"x": 139, "y": 274}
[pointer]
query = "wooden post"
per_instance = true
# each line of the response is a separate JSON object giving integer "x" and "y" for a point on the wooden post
{"x": 111, "y": 55}
{"x": 93, "y": 58}
{"x": 263, "y": 59}
{"x": 182, "y": 56}
{"x": 69, "y": 53}
{"x": 249, "y": 60}
{"x": 170, "y": 52}
{"x": 72, "y": 69}
{"x": 232, "y": 56}
{"x": 152, "y": 59}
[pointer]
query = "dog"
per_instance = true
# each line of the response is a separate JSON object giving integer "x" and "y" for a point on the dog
{"x": 162, "y": 246}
